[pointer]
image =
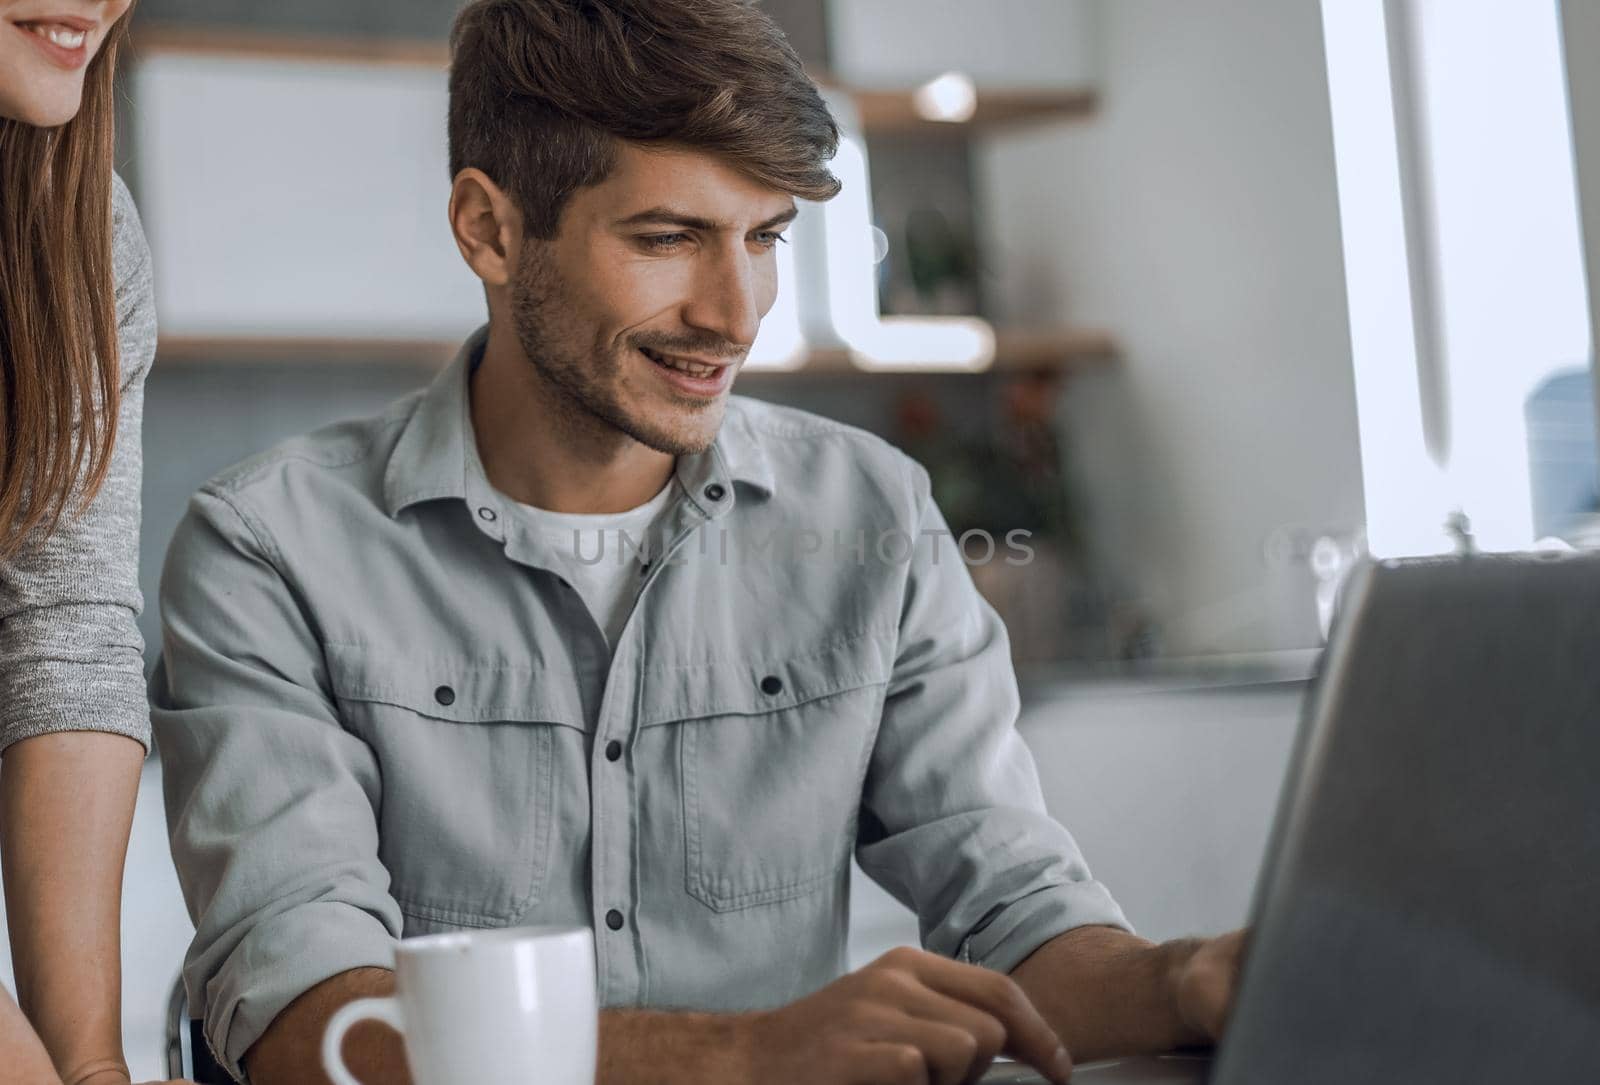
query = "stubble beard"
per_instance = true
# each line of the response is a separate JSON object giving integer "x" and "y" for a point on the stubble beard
{"x": 588, "y": 378}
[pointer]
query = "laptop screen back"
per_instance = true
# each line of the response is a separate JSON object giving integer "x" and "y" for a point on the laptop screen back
{"x": 1430, "y": 911}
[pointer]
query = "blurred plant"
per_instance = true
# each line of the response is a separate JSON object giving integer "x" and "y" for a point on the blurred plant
{"x": 1014, "y": 477}
{"x": 1011, "y": 478}
{"x": 941, "y": 262}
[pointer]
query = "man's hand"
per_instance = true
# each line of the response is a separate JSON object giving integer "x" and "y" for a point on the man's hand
{"x": 910, "y": 1016}
{"x": 118, "y": 1077}
{"x": 1206, "y": 981}
{"x": 290, "y": 1051}
{"x": 1109, "y": 993}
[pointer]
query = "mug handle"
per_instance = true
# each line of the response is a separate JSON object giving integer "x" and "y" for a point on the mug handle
{"x": 386, "y": 1010}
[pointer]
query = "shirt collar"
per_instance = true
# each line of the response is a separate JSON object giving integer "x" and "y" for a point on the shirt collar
{"x": 436, "y": 457}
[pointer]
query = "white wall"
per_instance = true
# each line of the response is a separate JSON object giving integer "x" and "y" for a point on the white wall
{"x": 1196, "y": 218}
{"x": 1170, "y": 793}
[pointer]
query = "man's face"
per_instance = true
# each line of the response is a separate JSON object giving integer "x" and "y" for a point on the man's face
{"x": 642, "y": 308}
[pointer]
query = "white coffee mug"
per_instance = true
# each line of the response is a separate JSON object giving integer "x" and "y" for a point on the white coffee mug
{"x": 491, "y": 1007}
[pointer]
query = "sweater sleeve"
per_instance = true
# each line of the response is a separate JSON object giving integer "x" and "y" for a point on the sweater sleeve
{"x": 71, "y": 657}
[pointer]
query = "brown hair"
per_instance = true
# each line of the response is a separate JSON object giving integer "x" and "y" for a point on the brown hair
{"x": 59, "y": 368}
{"x": 541, "y": 89}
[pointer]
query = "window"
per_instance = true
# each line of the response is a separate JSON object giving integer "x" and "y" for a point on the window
{"x": 1464, "y": 259}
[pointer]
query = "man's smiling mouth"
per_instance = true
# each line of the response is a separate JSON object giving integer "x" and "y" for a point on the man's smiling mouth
{"x": 682, "y": 365}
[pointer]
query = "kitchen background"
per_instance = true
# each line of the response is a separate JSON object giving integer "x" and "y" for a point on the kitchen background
{"x": 1265, "y": 281}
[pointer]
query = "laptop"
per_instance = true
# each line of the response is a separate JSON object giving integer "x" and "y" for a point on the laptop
{"x": 1430, "y": 906}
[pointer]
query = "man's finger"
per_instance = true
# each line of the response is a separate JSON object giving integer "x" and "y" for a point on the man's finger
{"x": 889, "y": 1064}
{"x": 950, "y": 1052}
{"x": 1028, "y": 1037}
{"x": 985, "y": 1029}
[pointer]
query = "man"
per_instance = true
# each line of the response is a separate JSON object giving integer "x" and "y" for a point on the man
{"x": 396, "y": 700}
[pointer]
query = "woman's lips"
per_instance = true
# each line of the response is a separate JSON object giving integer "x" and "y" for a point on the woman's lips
{"x": 69, "y": 50}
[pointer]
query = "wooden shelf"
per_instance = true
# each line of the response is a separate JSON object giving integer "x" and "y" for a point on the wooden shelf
{"x": 884, "y": 111}
{"x": 1062, "y": 352}
{"x": 890, "y": 112}
{"x": 158, "y": 39}
{"x": 1059, "y": 351}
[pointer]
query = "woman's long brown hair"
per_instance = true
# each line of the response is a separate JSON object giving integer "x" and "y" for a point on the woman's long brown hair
{"x": 59, "y": 369}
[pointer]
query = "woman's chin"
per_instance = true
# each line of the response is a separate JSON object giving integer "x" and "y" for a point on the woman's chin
{"x": 50, "y": 109}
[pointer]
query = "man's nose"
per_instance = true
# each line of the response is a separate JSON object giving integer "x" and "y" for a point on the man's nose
{"x": 727, "y": 299}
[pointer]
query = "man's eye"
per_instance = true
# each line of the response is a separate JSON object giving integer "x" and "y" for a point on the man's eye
{"x": 662, "y": 241}
{"x": 768, "y": 239}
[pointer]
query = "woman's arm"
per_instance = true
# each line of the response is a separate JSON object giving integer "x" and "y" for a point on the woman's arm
{"x": 74, "y": 721}
{"x": 66, "y": 806}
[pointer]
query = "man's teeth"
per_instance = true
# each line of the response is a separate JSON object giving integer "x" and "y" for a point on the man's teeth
{"x": 63, "y": 36}
{"x": 692, "y": 368}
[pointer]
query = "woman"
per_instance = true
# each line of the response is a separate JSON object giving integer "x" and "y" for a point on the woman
{"x": 77, "y": 332}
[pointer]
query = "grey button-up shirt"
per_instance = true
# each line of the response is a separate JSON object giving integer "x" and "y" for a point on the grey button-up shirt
{"x": 382, "y": 711}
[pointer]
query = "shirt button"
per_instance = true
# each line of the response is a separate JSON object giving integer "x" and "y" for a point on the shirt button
{"x": 771, "y": 684}
{"x": 445, "y": 695}
{"x": 714, "y": 492}
{"x": 614, "y": 919}
{"x": 613, "y": 750}
{"x": 487, "y": 515}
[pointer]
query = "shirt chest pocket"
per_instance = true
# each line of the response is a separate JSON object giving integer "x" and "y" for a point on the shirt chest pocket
{"x": 771, "y": 759}
{"x": 466, "y": 752}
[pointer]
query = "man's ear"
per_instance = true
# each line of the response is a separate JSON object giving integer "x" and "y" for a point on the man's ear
{"x": 487, "y": 227}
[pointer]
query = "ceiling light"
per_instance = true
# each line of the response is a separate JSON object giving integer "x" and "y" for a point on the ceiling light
{"x": 951, "y": 97}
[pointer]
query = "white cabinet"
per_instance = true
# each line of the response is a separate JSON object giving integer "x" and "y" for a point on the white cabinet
{"x": 299, "y": 199}
{"x": 1001, "y": 44}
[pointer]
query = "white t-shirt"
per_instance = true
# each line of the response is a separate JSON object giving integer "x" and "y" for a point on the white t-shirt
{"x": 601, "y": 553}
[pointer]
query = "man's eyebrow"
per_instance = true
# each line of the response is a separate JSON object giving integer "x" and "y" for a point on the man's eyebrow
{"x": 780, "y": 219}
{"x": 666, "y": 216}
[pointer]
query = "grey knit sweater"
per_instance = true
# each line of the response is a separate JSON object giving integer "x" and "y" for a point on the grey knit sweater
{"x": 71, "y": 658}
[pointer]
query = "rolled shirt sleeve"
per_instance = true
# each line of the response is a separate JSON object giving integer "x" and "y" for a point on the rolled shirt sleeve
{"x": 953, "y": 820}
{"x": 271, "y": 803}
{"x": 71, "y": 657}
